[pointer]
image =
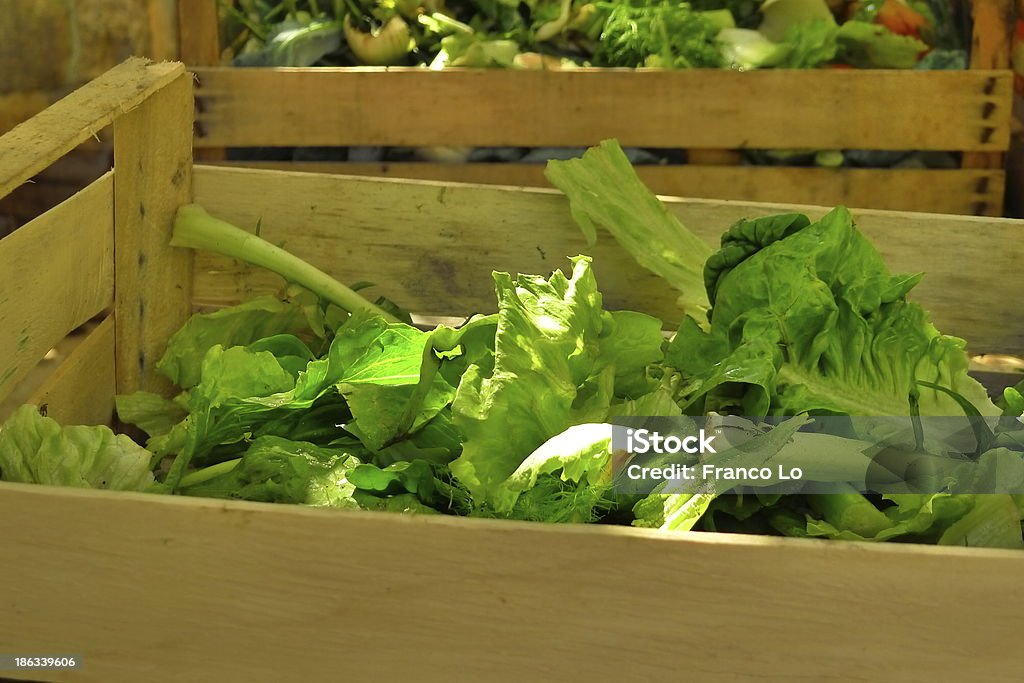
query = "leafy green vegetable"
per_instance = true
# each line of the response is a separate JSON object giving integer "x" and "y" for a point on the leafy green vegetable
{"x": 781, "y": 16}
{"x": 744, "y": 48}
{"x": 810, "y": 44}
{"x": 196, "y": 229}
{"x": 36, "y": 450}
{"x": 546, "y": 349}
{"x": 807, "y": 318}
{"x": 651, "y": 33}
{"x": 239, "y": 325}
{"x": 276, "y": 470}
{"x": 574, "y": 472}
{"x": 604, "y": 190}
{"x": 872, "y": 46}
{"x": 152, "y": 413}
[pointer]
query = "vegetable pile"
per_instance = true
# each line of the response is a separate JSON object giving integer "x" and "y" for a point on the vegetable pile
{"x": 744, "y": 34}
{"x": 322, "y": 397}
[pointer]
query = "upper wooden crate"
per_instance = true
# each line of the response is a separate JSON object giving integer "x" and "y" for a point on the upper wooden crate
{"x": 711, "y": 113}
{"x": 159, "y": 588}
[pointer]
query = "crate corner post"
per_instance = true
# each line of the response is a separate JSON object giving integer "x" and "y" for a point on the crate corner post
{"x": 153, "y": 281}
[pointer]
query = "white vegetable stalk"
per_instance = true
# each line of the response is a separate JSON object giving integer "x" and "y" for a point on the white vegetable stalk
{"x": 196, "y": 229}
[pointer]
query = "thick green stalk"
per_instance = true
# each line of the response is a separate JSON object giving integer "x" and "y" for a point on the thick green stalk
{"x": 196, "y": 229}
{"x": 207, "y": 473}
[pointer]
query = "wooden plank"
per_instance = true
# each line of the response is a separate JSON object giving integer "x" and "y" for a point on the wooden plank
{"x": 81, "y": 388}
{"x": 199, "y": 28}
{"x": 59, "y": 273}
{"x": 153, "y": 155}
{"x": 432, "y": 246}
{"x": 163, "y": 29}
{"x": 991, "y": 44}
{"x": 475, "y": 600}
{"x": 199, "y": 32}
{"x": 32, "y": 146}
{"x": 977, "y": 192}
{"x": 826, "y": 109}
{"x": 992, "y": 34}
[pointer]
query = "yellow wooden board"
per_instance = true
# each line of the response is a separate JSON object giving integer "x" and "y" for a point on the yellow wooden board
{"x": 169, "y": 589}
{"x": 957, "y": 191}
{"x": 58, "y": 272}
{"x": 152, "y": 147}
{"x": 817, "y": 109}
{"x": 35, "y": 144}
{"x": 432, "y": 247}
{"x": 81, "y": 389}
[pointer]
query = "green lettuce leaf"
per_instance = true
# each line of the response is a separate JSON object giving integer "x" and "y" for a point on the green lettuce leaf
{"x": 406, "y": 480}
{"x": 807, "y": 318}
{"x": 235, "y": 326}
{"x": 873, "y": 46}
{"x": 546, "y": 348}
{"x": 151, "y": 413}
{"x": 565, "y": 480}
{"x": 277, "y": 470}
{"x": 604, "y": 191}
{"x": 36, "y": 450}
{"x": 986, "y": 520}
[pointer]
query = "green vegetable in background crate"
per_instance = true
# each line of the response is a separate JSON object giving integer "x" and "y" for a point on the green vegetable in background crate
{"x": 326, "y": 398}
{"x": 746, "y": 34}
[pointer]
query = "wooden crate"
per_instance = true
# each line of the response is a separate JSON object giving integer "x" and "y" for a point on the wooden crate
{"x": 152, "y": 588}
{"x": 711, "y": 113}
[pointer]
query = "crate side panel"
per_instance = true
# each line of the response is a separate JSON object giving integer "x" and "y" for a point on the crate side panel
{"x": 59, "y": 273}
{"x": 454, "y": 599}
{"x": 813, "y": 109}
{"x": 432, "y": 246}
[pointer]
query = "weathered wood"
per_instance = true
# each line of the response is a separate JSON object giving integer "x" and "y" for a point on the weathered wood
{"x": 81, "y": 389}
{"x": 35, "y": 144}
{"x": 199, "y": 32}
{"x": 59, "y": 272}
{"x": 164, "y": 36}
{"x": 431, "y": 247}
{"x": 991, "y": 47}
{"x": 199, "y": 28}
{"x": 153, "y": 161}
{"x": 474, "y": 600}
{"x": 956, "y": 191}
{"x": 817, "y": 109}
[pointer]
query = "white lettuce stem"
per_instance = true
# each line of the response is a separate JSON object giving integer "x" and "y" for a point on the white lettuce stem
{"x": 196, "y": 229}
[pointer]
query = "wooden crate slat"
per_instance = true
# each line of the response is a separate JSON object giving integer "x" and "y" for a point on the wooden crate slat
{"x": 820, "y": 109}
{"x": 956, "y": 191}
{"x": 153, "y": 150}
{"x": 432, "y": 247}
{"x": 35, "y": 144}
{"x": 510, "y": 601}
{"x": 58, "y": 273}
{"x": 81, "y": 388}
